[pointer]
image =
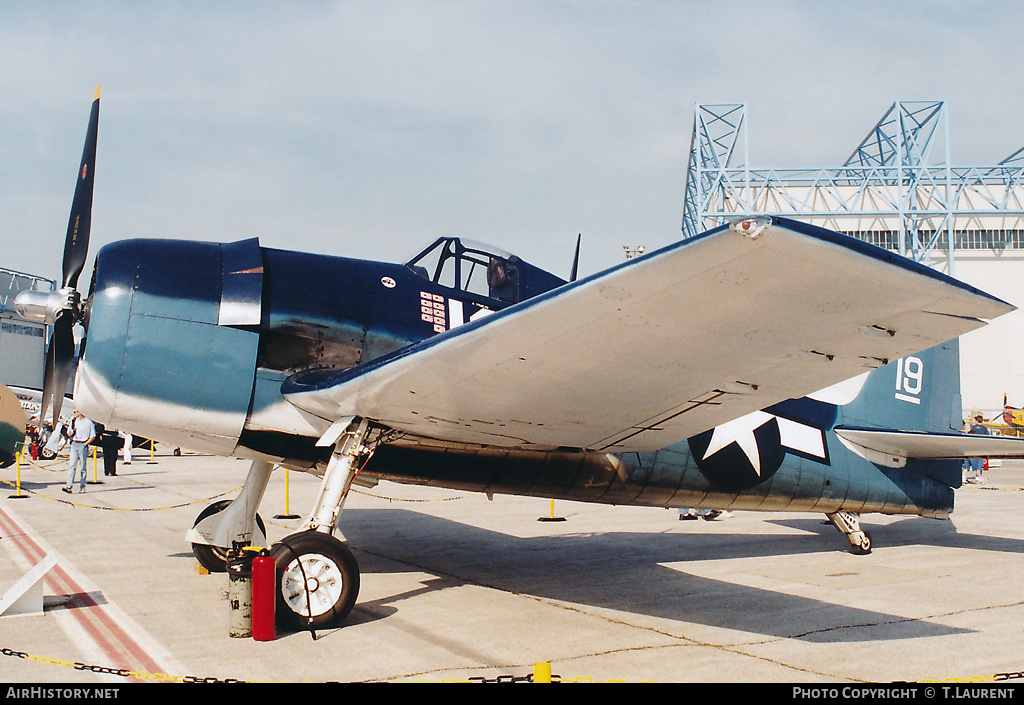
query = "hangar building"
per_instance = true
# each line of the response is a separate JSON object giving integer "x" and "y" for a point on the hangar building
{"x": 22, "y": 343}
{"x": 898, "y": 190}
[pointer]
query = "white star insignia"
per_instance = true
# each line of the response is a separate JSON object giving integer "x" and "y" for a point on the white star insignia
{"x": 741, "y": 432}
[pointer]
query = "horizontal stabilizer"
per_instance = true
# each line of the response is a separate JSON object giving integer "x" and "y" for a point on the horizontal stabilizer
{"x": 913, "y": 444}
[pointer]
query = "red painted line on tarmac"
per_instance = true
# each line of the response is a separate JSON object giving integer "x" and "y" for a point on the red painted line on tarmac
{"x": 123, "y": 651}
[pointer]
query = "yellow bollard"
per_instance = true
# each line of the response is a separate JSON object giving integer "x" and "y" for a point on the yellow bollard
{"x": 17, "y": 483}
{"x": 551, "y": 514}
{"x": 287, "y": 502}
{"x": 542, "y": 672}
{"x": 95, "y": 474}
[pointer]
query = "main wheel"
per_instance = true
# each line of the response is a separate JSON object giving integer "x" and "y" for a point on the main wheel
{"x": 215, "y": 558}
{"x": 317, "y": 580}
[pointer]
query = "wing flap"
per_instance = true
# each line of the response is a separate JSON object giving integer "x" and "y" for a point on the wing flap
{"x": 662, "y": 347}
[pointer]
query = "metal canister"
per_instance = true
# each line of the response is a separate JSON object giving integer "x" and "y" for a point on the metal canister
{"x": 239, "y": 569}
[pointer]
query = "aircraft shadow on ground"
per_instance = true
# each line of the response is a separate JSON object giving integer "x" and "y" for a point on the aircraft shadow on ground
{"x": 626, "y": 572}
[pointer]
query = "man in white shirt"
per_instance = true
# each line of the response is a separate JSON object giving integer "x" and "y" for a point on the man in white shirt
{"x": 128, "y": 440}
{"x": 81, "y": 433}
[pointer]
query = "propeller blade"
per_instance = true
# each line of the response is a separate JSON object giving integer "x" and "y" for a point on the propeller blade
{"x": 48, "y": 371}
{"x": 76, "y": 243}
{"x": 60, "y": 359}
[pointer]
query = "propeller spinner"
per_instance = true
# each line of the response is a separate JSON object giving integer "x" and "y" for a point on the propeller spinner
{"x": 62, "y": 308}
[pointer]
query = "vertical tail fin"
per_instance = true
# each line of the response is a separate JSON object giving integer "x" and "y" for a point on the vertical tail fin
{"x": 915, "y": 393}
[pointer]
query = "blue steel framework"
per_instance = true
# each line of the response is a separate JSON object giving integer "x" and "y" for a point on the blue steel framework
{"x": 12, "y": 283}
{"x": 898, "y": 188}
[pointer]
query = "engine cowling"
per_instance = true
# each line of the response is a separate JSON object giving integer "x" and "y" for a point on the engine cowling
{"x": 158, "y": 359}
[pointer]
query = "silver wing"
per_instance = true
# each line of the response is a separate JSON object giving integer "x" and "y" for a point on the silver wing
{"x": 662, "y": 347}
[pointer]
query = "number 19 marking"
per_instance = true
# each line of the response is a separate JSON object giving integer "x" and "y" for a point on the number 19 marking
{"x": 909, "y": 374}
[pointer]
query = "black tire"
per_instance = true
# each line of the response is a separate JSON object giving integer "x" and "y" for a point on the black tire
{"x": 864, "y": 547}
{"x": 47, "y": 454}
{"x": 215, "y": 558}
{"x": 313, "y": 567}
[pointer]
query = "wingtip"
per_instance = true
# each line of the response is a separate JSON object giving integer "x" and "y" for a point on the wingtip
{"x": 752, "y": 227}
{"x": 97, "y": 96}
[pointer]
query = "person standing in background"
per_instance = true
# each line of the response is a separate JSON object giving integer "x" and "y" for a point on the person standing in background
{"x": 82, "y": 432}
{"x": 127, "y": 448}
{"x": 977, "y": 465}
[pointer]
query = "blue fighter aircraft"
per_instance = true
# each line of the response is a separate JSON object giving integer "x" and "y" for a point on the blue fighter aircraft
{"x": 764, "y": 365}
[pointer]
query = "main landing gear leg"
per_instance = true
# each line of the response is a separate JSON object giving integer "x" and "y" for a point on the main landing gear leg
{"x": 849, "y": 524}
{"x": 317, "y": 575}
{"x": 341, "y": 471}
{"x": 224, "y": 523}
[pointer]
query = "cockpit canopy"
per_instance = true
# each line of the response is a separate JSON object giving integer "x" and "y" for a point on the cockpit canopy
{"x": 484, "y": 274}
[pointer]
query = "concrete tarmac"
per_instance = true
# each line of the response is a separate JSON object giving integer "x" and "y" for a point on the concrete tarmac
{"x": 455, "y": 586}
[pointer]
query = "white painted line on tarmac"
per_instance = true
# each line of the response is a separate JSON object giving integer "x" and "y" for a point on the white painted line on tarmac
{"x": 104, "y": 633}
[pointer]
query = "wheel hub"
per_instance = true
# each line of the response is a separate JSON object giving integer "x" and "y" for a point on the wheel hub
{"x": 312, "y": 584}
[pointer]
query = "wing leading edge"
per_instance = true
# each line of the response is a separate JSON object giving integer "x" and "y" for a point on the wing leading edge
{"x": 662, "y": 347}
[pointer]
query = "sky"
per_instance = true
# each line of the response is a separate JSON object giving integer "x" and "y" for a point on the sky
{"x": 369, "y": 129}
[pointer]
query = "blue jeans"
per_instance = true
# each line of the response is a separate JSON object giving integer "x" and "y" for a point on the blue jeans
{"x": 975, "y": 464}
{"x": 76, "y": 462}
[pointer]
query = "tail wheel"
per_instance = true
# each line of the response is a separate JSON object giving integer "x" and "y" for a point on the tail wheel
{"x": 862, "y": 547}
{"x": 317, "y": 580}
{"x": 215, "y": 558}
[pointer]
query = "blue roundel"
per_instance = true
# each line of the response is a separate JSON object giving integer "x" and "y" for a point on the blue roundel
{"x": 755, "y": 452}
{"x": 730, "y": 469}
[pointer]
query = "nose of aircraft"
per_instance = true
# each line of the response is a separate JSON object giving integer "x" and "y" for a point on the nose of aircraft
{"x": 156, "y": 359}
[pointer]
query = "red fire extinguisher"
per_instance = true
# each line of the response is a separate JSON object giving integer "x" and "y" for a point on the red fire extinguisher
{"x": 264, "y": 598}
